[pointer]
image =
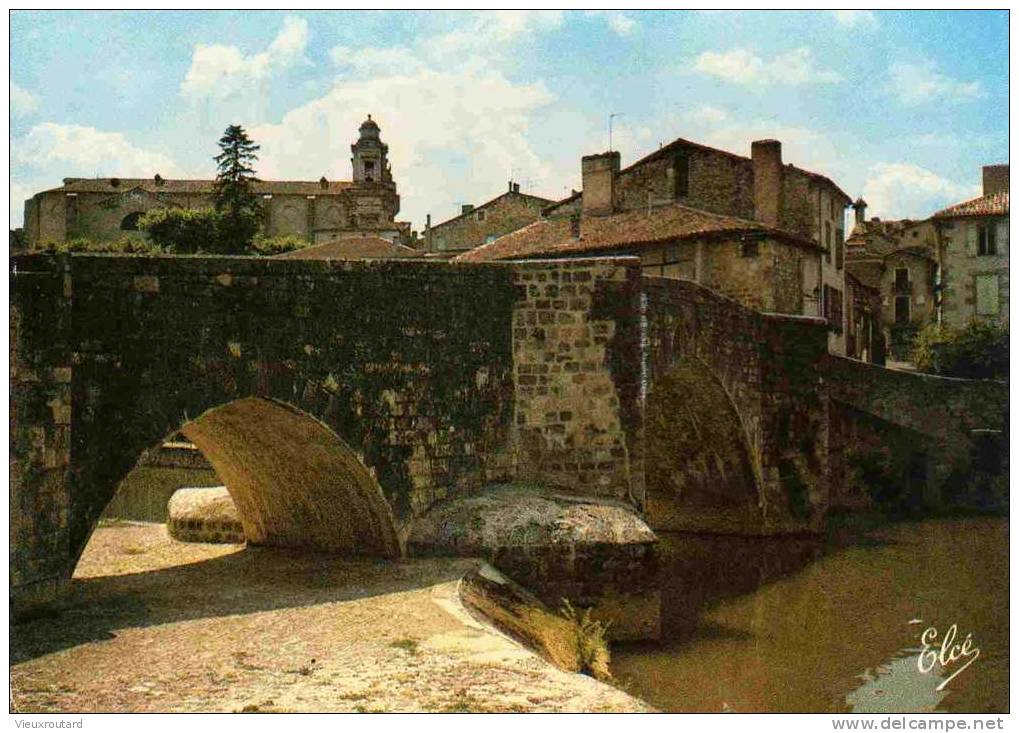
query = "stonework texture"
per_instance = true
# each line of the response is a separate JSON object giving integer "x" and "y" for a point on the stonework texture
{"x": 965, "y": 269}
{"x": 751, "y": 380}
{"x": 503, "y": 214}
{"x": 432, "y": 389}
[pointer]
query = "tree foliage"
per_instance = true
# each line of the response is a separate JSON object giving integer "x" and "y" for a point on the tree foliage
{"x": 233, "y": 196}
{"x": 269, "y": 246}
{"x": 979, "y": 350}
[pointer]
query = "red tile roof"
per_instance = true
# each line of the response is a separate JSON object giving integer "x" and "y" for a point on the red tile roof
{"x": 195, "y": 186}
{"x": 995, "y": 204}
{"x": 553, "y": 237}
{"x": 352, "y": 248}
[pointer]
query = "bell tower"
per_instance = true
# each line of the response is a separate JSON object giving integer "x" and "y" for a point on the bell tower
{"x": 369, "y": 159}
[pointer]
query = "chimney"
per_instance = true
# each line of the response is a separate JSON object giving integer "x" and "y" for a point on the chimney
{"x": 428, "y": 222}
{"x": 995, "y": 179}
{"x": 510, "y": 188}
{"x": 323, "y": 183}
{"x": 860, "y": 207}
{"x": 516, "y": 188}
{"x": 158, "y": 179}
{"x": 598, "y": 174}
{"x": 767, "y": 160}
{"x": 466, "y": 209}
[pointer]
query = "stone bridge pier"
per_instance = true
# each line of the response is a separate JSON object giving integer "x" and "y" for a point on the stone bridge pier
{"x": 338, "y": 401}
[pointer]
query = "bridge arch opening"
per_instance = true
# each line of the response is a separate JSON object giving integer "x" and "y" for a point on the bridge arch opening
{"x": 294, "y": 481}
{"x": 699, "y": 474}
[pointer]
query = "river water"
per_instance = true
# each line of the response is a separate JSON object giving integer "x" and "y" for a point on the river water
{"x": 804, "y": 625}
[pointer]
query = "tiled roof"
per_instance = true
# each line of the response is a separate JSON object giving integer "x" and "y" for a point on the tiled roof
{"x": 680, "y": 142}
{"x": 352, "y": 248}
{"x": 170, "y": 185}
{"x": 996, "y": 204}
{"x": 553, "y": 237}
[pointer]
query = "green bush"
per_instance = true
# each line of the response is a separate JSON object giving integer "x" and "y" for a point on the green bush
{"x": 269, "y": 246}
{"x": 123, "y": 245}
{"x": 976, "y": 351}
{"x": 183, "y": 231}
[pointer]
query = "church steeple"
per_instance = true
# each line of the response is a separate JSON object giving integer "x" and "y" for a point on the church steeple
{"x": 369, "y": 155}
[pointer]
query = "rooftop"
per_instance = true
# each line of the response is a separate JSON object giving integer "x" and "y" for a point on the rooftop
{"x": 680, "y": 142}
{"x": 490, "y": 202}
{"x": 627, "y": 229}
{"x": 995, "y": 204}
{"x": 198, "y": 186}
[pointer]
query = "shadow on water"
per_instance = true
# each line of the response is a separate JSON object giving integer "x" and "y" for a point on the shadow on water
{"x": 250, "y": 580}
{"x": 699, "y": 571}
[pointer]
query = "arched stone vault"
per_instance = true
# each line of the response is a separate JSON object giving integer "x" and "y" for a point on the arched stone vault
{"x": 294, "y": 481}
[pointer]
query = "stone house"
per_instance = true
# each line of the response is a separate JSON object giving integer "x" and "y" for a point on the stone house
{"x": 477, "y": 225}
{"x": 864, "y": 334}
{"x": 768, "y": 234}
{"x": 896, "y": 258}
{"x": 109, "y": 208}
{"x": 972, "y": 249}
{"x": 759, "y": 188}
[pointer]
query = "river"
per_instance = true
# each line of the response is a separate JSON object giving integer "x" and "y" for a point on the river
{"x": 805, "y": 625}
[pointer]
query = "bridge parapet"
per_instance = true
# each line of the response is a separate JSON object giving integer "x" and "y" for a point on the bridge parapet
{"x": 763, "y": 371}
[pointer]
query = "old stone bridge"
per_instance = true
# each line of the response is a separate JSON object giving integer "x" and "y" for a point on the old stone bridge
{"x": 340, "y": 401}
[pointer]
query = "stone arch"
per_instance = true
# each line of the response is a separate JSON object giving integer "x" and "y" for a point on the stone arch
{"x": 295, "y": 482}
{"x": 700, "y": 471}
{"x": 130, "y": 222}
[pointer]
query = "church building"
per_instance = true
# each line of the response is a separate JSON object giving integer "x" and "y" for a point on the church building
{"x": 320, "y": 211}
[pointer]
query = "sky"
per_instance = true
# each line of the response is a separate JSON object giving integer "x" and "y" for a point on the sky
{"x": 900, "y": 107}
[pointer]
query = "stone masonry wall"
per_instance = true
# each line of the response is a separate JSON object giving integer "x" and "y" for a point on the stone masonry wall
{"x": 440, "y": 376}
{"x": 503, "y": 215}
{"x": 769, "y": 368}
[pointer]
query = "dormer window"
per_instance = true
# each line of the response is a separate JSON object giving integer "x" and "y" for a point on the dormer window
{"x": 481, "y": 215}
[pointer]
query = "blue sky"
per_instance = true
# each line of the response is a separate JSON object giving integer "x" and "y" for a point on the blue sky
{"x": 900, "y": 107}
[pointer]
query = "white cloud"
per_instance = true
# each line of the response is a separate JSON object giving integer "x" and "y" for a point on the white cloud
{"x": 740, "y": 66}
{"x": 456, "y": 125}
{"x": 801, "y": 146}
{"x": 220, "y": 72}
{"x": 621, "y": 23}
{"x": 23, "y": 102}
{"x": 856, "y": 18}
{"x": 86, "y": 151}
{"x": 920, "y": 82}
{"x": 905, "y": 190}
{"x": 48, "y": 152}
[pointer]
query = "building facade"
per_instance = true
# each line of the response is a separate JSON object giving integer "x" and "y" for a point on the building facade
{"x": 768, "y": 234}
{"x": 323, "y": 210}
{"x": 477, "y": 225}
{"x": 972, "y": 249}
{"x": 897, "y": 258}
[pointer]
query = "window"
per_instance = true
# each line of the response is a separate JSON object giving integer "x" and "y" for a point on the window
{"x": 130, "y": 222}
{"x": 987, "y": 243}
{"x": 840, "y": 248}
{"x": 901, "y": 309}
{"x": 827, "y": 240}
{"x": 987, "y": 295}
{"x": 831, "y": 307}
{"x": 901, "y": 279}
{"x": 749, "y": 248}
{"x": 481, "y": 215}
{"x": 681, "y": 175}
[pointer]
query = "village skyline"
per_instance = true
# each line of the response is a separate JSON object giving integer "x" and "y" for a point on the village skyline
{"x": 470, "y": 100}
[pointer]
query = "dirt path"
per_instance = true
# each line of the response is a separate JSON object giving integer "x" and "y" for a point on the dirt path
{"x": 158, "y": 625}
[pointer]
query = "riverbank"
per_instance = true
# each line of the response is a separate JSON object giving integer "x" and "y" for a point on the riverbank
{"x": 158, "y": 625}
